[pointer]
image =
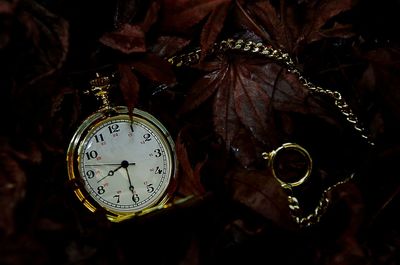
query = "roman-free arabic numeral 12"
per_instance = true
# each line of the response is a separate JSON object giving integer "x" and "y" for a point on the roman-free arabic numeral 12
{"x": 113, "y": 128}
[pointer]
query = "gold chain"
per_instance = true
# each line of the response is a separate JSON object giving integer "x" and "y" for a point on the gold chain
{"x": 284, "y": 59}
{"x": 319, "y": 210}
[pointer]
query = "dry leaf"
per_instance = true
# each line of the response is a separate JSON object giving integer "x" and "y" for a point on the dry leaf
{"x": 190, "y": 178}
{"x": 128, "y": 39}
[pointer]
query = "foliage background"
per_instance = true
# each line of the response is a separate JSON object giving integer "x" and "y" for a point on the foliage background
{"x": 223, "y": 112}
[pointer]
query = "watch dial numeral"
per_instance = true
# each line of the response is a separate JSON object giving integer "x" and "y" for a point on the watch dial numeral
{"x": 135, "y": 198}
{"x": 90, "y": 174}
{"x": 117, "y": 196}
{"x": 130, "y": 133}
{"x": 91, "y": 154}
{"x": 114, "y": 128}
{"x": 157, "y": 152}
{"x": 158, "y": 170}
{"x": 100, "y": 189}
{"x": 147, "y": 138}
{"x": 99, "y": 138}
{"x": 149, "y": 188}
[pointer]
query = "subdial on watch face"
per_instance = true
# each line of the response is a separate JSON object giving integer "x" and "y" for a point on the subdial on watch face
{"x": 126, "y": 164}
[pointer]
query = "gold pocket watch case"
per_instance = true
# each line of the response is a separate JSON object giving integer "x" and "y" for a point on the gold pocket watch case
{"x": 120, "y": 163}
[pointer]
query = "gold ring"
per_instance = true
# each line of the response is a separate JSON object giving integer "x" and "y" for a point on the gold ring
{"x": 271, "y": 158}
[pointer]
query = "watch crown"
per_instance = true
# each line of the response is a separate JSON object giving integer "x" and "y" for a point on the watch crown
{"x": 99, "y": 87}
{"x": 100, "y": 81}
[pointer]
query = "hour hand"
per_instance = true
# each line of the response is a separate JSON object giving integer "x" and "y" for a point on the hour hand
{"x": 110, "y": 173}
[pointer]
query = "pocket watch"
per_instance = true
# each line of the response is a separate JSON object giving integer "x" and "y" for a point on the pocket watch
{"x": 121, "y": 163}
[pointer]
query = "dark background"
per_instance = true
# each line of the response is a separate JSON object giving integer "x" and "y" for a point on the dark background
{"x": 49, "y": 50}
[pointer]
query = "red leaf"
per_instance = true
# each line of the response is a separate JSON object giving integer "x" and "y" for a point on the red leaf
{"x": 154, "y": 68}
{"x": 226, "y": 121}
{"x": 268, "y": 18}
{"x": 7, "y": 7}
{"x": 248, "y": 91}
{"x": 50, "y": 37}
{"x": 125, "y": 11}
{"x": 151, "y": 16}
{"x": 251, "y": 100}
{"x": 12, "y": 187}
{"x": 245, "y": 148}
{"x": 298, "y": 24}
{"x": 382, "y": 78}
{"x": 338, "y": 30}
{"x": 244, "y": 19}
{"x": 348, "y": 246}
{"x": 182, "y": 15}
{"x": 318, "y": 14}
{"x": 128, "y": 39}
{"x": 129, "y": 85}
{"x": 213, "y": 27}
{"x": 166, "y": 46}
{"x": 189, "y": 179}
{"x": 259, "y": 191}
{"x": 202, "y": 90}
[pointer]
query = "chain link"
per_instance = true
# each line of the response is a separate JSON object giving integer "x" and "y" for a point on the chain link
{"x": 285, "y": 60}
{"x": 320, "y": 209}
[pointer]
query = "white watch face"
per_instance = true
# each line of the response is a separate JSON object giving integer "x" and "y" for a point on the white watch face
{"x": 126, "y": 164}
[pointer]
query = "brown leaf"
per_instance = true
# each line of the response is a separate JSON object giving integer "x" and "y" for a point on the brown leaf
{"x": 294, "y": 25}
{"x": 248, "y": 91}
{"x": 189, "y": 182}
{"x": 348, "y": 244}
{"x": 202, "y": 90}
{"x": 182, "y": 15}
{"x": 154, "y": 68}
{"x": 12, "y": 189}
{"x": 129, "y": 85}
{"x": 213, "y": 27}
{"x": 125, "y": 11}
{"x": 30, "y": 153}
{"x": 245, "y": 148}
{"x": 266, "y": 15}
{"x": 7, "y": 7}
{"x": 151, "y": 16}
{"x": 338, "y": 30}
{"x": 381, "y": 78}
{"x": 321, "y": 11}
{"x": 50, "y": 37}
{"x": 128, "y": 39}
{"x": 243, "y": 18}
{"x": 259, "y": 191}
{"x": 166, "y": 46}
{"x": 251, "y": 99}
{"x": 226, "y": 120}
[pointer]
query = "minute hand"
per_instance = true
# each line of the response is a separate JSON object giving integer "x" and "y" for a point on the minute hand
{"x": 109, "y": 164}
